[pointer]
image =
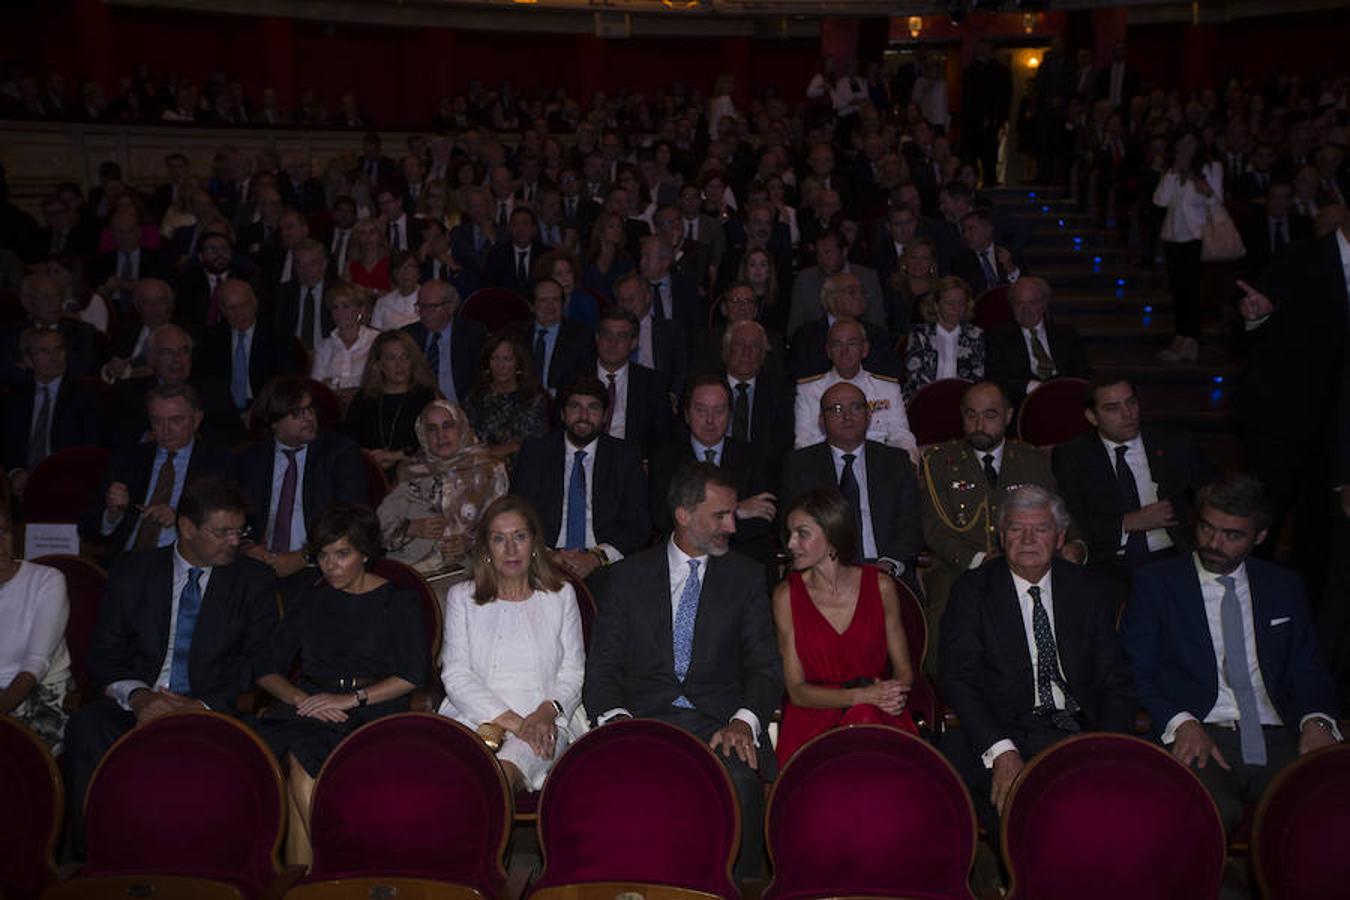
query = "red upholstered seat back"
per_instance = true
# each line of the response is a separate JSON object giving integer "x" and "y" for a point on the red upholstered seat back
{"x": 413, "y": 795}
{"x": 495, "y": 307}
{"x": 935, "y": 411}
{"x": 992, "y": 308}
{"x": 327, "y": 407}
{"x": 85, "y": 583}
{"x": 60, "y": 487}
{"x": 31, "y": 790}
{"x": 639, "y": 801}
{"x": 194, "y": 794}
{"x": 869, "y": 810}
{"x": 1302, "y": 825}
{"x": 405, "y": 576}
{"x": 585, "y": 606}
{"x": 1053, "y": 413}
{"x": 1111, "y": 817}
{"x": 922, "y": 697}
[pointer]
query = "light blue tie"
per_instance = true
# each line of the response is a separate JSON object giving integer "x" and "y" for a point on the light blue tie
{"x": 239, "y": 372}
{"x": 685, "y": 615}
{"x": 576, "y": 504}
{"x": 189, "y": 604}
{"x": 1239, "y": 676}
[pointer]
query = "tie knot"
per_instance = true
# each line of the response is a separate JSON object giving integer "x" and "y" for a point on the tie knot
{"x": 693, "y": 568}
{"x": 1227, "y": 581}
{"x": 742, "y": 387}
{"x": 290, "y": 452}
{"x": 611, "y": 376}
{"x": 989, "y": 459}
{"x": 581, "y": 455}
{"x": 849, "y": 458}
{"x": 194, "y": 574}
{"x": 169, "y": 455}
{"x": 1035, "y": 592}
{"x": 1121, "y": 450}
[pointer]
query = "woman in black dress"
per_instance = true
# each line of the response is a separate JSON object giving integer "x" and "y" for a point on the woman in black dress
{"x": 395, "y": 388}
{"x": 362, "y": 649}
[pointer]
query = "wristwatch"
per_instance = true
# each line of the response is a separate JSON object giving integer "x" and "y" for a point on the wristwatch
{"x": 361, "y": 698}
{"x": 558, "y": 707}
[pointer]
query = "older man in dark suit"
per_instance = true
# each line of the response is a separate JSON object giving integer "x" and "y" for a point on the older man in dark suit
{"x": 1029, "y": 653}
{"x": 587, "y": 486}
{"x": 720, "y": 681}
{"x": 243, "y": 350}
{"x": 181, "y": 627}
{"x": 640, "y": 401}
{"x": 562, "y": 348}
{"x": 41, "y": 297}
{"x": 1262, "y": 697}
{"x": 451, "y": 344}
{"x": 1031, "y": 349}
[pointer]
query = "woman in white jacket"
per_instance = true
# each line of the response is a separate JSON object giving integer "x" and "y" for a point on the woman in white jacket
{"x": 512, "y": 660}
{"x": 1189, "y": 190}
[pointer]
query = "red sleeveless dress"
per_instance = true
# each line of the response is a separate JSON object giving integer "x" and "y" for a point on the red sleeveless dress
{"x": 829, "y": 659}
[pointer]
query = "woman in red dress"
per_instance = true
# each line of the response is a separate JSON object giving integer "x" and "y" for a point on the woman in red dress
{"x": 845, "y": 659}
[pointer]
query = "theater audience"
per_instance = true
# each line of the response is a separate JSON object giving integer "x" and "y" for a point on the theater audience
{"x": 451, "y": 345}
{"x": 1032, "y": 349}
{"x": 369, "y": 257}
{"x": 561, "y": 348}
{"x": 42, "y": 301}
{"x": 915, "y": 277}
{"x": 340, "y": 359}
{"x": 300, "y": 306}
{"x": 361, "y": 646}
{"x": 396, "y": 386}
{"x": 398, "y": 307}
{"x": 841, "y": 297}
{"x": 429, "y": 517}
{"x": 242, "y": 350}
{"x": 808, "y": 291}
{"x": 507, "y": 404}
{"x": 512, "y": 660}
{"x": 845, "y": 655}
{"x": 34, "y": 661}
{"x": 946, "y": 345}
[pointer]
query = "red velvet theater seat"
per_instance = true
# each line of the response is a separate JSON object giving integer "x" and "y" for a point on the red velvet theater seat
{"x": 189, "y": 805}
{"x": 923, "y": 702}
{"x": 935, "y": 411}
{"x": 409, "y": 802}
{"x": 60, "y": 487}
{"x": 1111, "y": 817}
{"x": 495, "y": 307}
{"x": 1053, "y": 413}
{"x": 31, "y": 797}
{"x": 871, "y": 811}
{"x": 638, "y": 803}
{"x": 1302, "y": 829}
{"x": 85, "y": 584}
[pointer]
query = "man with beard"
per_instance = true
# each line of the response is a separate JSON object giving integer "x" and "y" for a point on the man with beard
{"x": 198, "y": 301}
{"x": 961, "y": 485}
{"x": 643, "y": 659}
{"x": 587, "y": 486}
{"x": 1262, "y": 697}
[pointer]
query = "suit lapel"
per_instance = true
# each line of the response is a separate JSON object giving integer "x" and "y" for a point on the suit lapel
{"x": 709, "y": 613}
{"x": 879, "y": 484}
{"x": 159, "y": 604}
{"x": 218, "y": 590}
{"x": 661, "y": 611}
{"x": 1261, "y": 615}
{"x": 1068, "y": 620}
{"x": 1005, "y": 612}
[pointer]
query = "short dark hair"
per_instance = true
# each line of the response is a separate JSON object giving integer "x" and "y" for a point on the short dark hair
{"x": 173, "y": 392}
{"x": 689, "y": 485}
{"x": 1238, "y": 494}
{"x": 617, "y": 313}
{"x": 980, "y": 215}
{"x": 525, "y": 211}
{"x": 358, "y": 524}
{"x": 705, "y": 379}
{"x": 958, "y": 190}
{"x": 583, "y": 386}
{"x": 1097, "y": 383}
{"x": 279, "y": 398}
{"x": 827, "y": 507}
{"x": 210, "y": 494}
{"x": 344, "y": 200}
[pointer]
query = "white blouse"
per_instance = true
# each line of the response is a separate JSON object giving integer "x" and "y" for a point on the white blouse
{"x": 340, "y": 366}
{"x": 1187, "y": 208}
{"x": 510, "y": 655}
{"x": 33, "y": 613}
{"x": 394, "y": 310}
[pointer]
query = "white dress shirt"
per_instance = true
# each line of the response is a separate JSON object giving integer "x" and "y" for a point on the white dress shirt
{"x": 749, "y": 399}
{"x": 588, "y": 466}
{"x": 646, "y": 355}
{"x": 997, "y": 452}
{"x": 618, "y": 416}
{"x": 120, "y": 691}
{"x": 280, "y": 462}
{"x": 1022, "y": 586}
{"x": 944, "y": 342}
{"x": 394, "y": 310}
{"x": 340, "y": 366}
{"x": 1137, "y": 459}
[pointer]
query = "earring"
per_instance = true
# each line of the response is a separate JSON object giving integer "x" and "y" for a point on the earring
{"x": 834, "y": 554}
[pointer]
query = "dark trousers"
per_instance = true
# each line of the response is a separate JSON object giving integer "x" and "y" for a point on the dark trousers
{"x": 984, "y": 148}
{"x": 1031, "y": 735}
{"x": 749, "y": 785}
{"x": 90, "y": 732}
{"x": 1241, "y": 784}
{"x": 1184, "y": 283}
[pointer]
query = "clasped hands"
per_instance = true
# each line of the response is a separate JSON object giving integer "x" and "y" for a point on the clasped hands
{"x": 890, "y": 696}
{"x": 147, "y": 704}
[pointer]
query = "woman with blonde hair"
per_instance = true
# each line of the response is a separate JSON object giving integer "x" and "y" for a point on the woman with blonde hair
{"x": 946, "y": 344}
{"x": 340, "y": 358}
{"x": 368, "y": 259}
{"x": 396, "y": 385}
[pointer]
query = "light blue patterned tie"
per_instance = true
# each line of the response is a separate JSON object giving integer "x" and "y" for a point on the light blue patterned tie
{"x": 189, "y": 604}
{"x": 685, "y": 615}
{"x": 576, "y": 504}
{"x": 1239, "y": 675}
{"x": 239, "y": 372}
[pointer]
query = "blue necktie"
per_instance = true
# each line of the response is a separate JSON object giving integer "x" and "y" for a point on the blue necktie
{"x": 576, "y": 504}
{"x": 685, "y": 615}
{"x": 189, "y": 604}
{"x": 434, "y": 352}
{"x": 1238, "y": 673}
{"x": 239, "y": 372}
{"x": 990, "y": 273}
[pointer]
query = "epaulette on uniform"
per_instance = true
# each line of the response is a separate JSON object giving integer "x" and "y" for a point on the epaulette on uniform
{"x": 810, "y": 378}
{"x": 891, "y": 378}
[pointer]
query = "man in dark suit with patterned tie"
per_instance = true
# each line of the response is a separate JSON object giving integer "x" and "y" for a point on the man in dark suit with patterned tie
{"x": 300, "y": 310}
{"x": 562, "y": 349}
{"x": 1262, "y": 697}
{"x": 1029, "y": 653}
{"x": 451, "y": 344}
{"x": 722, "y": 682}
{"x": 181, "y": 627}
{"x": 1031, "y": 349}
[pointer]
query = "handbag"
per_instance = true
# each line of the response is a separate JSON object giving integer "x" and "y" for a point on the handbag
{"x": 1219, "y": 238}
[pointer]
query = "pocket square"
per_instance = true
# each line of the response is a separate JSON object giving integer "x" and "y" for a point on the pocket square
{"x": 1279, "y": 621}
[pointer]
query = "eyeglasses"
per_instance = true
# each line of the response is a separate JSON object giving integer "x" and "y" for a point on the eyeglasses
{"x": 837, "y": 410}
{"x": 419, "y": 305}
{"x": 302, "y": 411}
{"x": 224, "y": 534}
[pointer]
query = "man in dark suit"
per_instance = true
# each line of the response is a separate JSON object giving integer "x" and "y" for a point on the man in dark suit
{"x": 373, "y": 164}
{"x": 841, "y": 296}
{"x": 402, "y": 230}
{"x": 299, "y": 188}
{"x": 64, "y": 232}
{"x": 179, "y": 172}
{"x": 300, "y": 310}
{"x": 662, "y": 344}
{"x": 196, "y": 305}
{"x": 260, "y": 235}
{"x": 1242, "y": 712}
{"x": 640, "y": 399}
{"x": 475, "y": 234}
{"x": 761, "y": 407}
{"x": 707, "y": 417}
{"x": 1118, "y": 82}
{"x": 1029, "y": 653}
{"x": 690, "y": 258}
{"x": 180, "y": 628}
{"x": 587, "y": 486}
{"x": 900, "y": 229}
{"x": 981, "y": 262}
{"x": 41, "y": 297}
{"x": 134, "y": 507}
{"x": 509, "y": 262}
{"x": 292, "y": 476}
{"x": 720, "y": 680}
{"x": 1270, "y": 232}
{"x": 1128, "y": 487}
{"x": 243, "y": 349}
{"x": 877, "y": 480}
{"x": 673, "y": 299}
{"x": 578, "y": 210}
{"x": 1031, "y": 349}
{"x": 451, "y": 344}
{"x": 562, "y": 348}
{"x": 986, "y": 100}
{"x": 49, "y": 413}
{"x": 439, "y": 262}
